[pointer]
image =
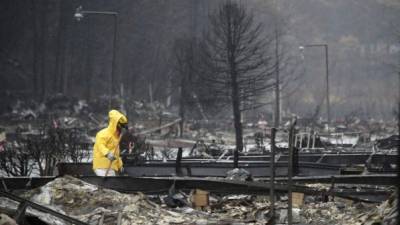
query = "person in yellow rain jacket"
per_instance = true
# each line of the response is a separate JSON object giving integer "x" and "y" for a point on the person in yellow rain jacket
{"x": 106, "y": 147}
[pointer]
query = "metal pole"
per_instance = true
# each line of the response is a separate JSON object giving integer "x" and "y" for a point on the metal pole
{"x": 79, "y": 15}
{"x": 328, "y": 105}
{"x": 398, "y": 153}
{"x": 277, "y": 112}
{"x": 113, "y": 65}
{"x": 272, "y": 175}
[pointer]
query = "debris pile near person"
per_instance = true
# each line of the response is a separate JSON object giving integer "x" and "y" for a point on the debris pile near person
{"x": 90, "y": 204}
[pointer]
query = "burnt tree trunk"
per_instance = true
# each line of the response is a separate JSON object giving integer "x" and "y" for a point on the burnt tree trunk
{"x": 231, "y": 50}
{"x": 237, "y": 71}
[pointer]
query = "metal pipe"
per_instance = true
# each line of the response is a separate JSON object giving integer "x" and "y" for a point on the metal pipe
{"x": 99, "y": 12}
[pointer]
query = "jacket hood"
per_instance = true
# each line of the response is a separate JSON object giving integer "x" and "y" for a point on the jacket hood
{"x": 113, "y": 117}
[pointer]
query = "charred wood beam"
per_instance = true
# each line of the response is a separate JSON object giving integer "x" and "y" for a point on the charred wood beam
{"x": 19, "y": 216}
{"x": 217, "y": 169}
{"x": 127, "y": 184}
{"x": 26, "y": 203}
{"x": 204, "y": 169}
{"x": 338, "y": 159}
{"x": 3, "y": 184}
{"x": 158, "y": 183}
{"x": 375, "y": 179}
{"x": 12, "y": 183}
{"x": 178, "y": 170}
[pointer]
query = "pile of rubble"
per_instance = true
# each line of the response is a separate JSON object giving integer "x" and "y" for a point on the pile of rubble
{"x": 342, "y": 212}
{"x": 91, "y": 204}
{"x": 94, "y": 205}
{"x": 246, "y": 208}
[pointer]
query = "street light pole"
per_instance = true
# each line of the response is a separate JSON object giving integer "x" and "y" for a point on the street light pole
{"x": 79, "y": 15}
{"x": 328, "y": 105}
{"x": 277, "y": 111}
{"x": 328, "y": 102}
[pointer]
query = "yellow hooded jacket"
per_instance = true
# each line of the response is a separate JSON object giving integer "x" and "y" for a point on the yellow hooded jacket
{"x": 107, "y": 140}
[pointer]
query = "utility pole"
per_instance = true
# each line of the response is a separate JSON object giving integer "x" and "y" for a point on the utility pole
{"x": 277, "y": 111}
{"x": 79, "y": 14}
{"x": 398, "y": 150}
{"x": 328, "y": 105}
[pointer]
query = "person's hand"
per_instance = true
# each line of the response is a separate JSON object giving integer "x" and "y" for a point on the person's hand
{"x": 111, "y": 156}
{"x": 131, "y": 144}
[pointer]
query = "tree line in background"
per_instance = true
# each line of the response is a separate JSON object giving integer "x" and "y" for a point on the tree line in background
{"x": 45, "y": 50}
{"x": 224, "y": 60}
{"x": 228, "y": 65}
{"x": 74, "y": 57}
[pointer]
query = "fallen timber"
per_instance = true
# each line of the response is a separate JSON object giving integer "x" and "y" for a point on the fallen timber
{"x": 371, "y": 179}
{"x": 23, "y": 204}
{"x": 159, "y": 185}
{"x": 204, "y": 169}
{"x": 13, "y": 183}
{"x": 328, "y": 158}
{"x": 207, "y": 168}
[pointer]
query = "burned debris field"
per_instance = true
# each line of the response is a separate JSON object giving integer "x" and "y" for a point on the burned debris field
{"x": 199, "y": 112}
